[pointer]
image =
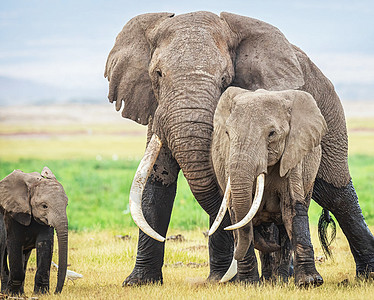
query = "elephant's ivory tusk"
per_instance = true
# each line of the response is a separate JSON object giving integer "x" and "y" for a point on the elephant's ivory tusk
{"x": 255, "y": 204}
{"x": 231, "y": 272}
{"x": 138, "y": 185}
{"x": 222, "y": 209}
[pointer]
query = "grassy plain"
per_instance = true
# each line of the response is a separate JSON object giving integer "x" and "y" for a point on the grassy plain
{"x": 105, "y": 260}
{"x": 95, "y": 159}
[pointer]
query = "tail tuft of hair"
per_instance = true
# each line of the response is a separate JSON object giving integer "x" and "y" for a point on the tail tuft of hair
{"x": 324, "y": 237}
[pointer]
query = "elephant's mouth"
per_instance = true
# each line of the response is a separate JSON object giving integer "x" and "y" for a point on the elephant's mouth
{"x": 42, "y": 221}
{"x": 251, "y": 213}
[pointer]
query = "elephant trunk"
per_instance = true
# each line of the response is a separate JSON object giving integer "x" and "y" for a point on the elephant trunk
{"x": 61, "y": 228}
{"x": 244, "y": 172}
{"x": 188, "y": 130}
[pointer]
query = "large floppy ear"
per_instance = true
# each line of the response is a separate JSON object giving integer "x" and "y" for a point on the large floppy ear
{"x": 264, "y": 57}
{"x": 127, "y": 68}
{"x": 15, "y": 195}
{"x": 307, "y": 127}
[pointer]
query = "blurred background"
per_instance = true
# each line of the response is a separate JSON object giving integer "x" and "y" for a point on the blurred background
{"x": 56, "y": 50}
{"x": 53, "y": 95}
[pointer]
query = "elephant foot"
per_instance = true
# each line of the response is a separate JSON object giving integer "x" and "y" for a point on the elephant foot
{"x": 365, "y": 271}
{"x": 4, "y": 285}
{"x": 41, "y": 289}
{"x": 142, "y": 277}
{"x": 306, "y": 280}
{"x": 15, "y": 288}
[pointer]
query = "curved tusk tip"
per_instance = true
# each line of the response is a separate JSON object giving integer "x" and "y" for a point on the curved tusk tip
{"x": 210, "y": 232}
{"x": 229, "y": 228}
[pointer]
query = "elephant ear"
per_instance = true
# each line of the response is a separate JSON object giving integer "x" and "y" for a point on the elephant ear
{"x": 47, "y": 173}
{"x": 307, "y": 127}
{"x": 127, "y": 69}
{"x": 264, "y": 57}
{"x": 15, "y": 195}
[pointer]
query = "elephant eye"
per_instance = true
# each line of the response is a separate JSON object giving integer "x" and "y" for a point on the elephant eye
{"x": 159, "y": 73}
{"x": 271, "y": 133}
{"x": 45, "y": 206}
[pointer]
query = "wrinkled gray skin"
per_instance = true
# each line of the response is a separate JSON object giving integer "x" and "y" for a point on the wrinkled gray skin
{"x": 168, "y": 72}
{"x": 32, "y": 205}
{"x": 277, "y": 134}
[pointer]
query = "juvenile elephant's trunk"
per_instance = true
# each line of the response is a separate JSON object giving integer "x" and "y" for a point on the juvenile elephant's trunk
{"x": 62, "y": 237}
{"x": 244, "y": 171}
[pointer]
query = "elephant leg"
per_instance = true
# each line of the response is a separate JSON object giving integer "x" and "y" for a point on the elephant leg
{"x": 25, "y": 259}
{"x": 44, "y": 252}
{"x": 276, "y": 264}
{"x": 221, "y": 249}
{"x": 343, "y": 203}
{"x": 157, "y": 204}
{"x": 3, "y": 255}
{"x": 4, "y": 269}
{"x": 268, "y": 260}
{"x": 298, "y": 230}
{"x": 16, "y": 267}
{"x": 284, "y": 261}
{"x": 248, "y": 267}
{"x": 269, "y": 233}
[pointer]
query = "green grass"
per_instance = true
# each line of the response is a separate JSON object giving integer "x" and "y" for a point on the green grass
{"x": 105, "y": 261}
{"x": 96, "y": 165}
{"x": 98, "y": 191}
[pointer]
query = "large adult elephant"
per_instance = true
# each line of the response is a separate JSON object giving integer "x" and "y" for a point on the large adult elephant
{"x": 169, "y": 71}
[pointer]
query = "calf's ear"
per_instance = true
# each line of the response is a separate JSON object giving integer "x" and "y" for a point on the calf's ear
{"x": 15, "y": 195}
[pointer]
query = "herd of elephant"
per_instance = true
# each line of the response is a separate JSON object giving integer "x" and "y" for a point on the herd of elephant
{"x": 254, "y": 125}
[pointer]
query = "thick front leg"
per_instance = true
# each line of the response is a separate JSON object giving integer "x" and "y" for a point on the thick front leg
{"x": 3, "y": 256}
{"x": 44, "y": 252}
{"x": 16, "y": 267}
{"x": 221, "y": 249}
{"x": 343, "y": 203}
{"x": 298, "y": 230}
{"x": 4, "y": 270}
{"x": 157, "y": 204}
{"x": 248, "y": 267}
{"x": 277, "y": 264}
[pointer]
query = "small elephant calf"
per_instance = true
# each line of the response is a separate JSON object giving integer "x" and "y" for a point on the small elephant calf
{"x": 32, "y": 206}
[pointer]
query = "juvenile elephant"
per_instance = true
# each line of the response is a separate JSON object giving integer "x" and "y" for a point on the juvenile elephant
{"x": 168, "y": 72}
{"x": 267, "y": 144}
{"x": 33, "y": 205}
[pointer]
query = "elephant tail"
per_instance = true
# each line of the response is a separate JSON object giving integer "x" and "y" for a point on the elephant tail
{"x": 326, "y": 239}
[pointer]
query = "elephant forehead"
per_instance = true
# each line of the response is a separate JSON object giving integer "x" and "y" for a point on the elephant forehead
{"x": 49, "y": 190}
{"x": 193, "y": 28}
{"x": 264, "y": 102}
{"x": 200, "y": 19}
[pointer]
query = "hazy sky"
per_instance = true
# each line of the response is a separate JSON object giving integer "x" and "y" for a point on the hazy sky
{"x": 65, "y": 43}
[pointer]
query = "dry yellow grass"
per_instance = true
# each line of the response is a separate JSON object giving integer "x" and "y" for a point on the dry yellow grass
{"x": 105, "y": 261}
